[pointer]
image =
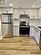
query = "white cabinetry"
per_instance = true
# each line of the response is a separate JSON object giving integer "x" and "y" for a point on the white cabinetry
{"x": 16, "y": 24}
{"x": 31, "y": 31}
{"x": 16, "y": 30}
{"x": 7, "y": 10}
{"x": 35, "y": 32}
{"x": 16, "y": 14}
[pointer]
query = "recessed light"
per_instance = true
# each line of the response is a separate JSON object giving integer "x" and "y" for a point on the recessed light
{"x": 10, "y": 4}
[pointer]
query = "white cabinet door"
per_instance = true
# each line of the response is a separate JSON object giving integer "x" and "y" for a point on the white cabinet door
{"x": 7, "y": 10}
{"x": 16, "y": 14}
{"x": 37, "y": 35}
{"x": 35, "y": 32}
{"x": 16, "y": 23}
{"x": 31, "y": 31}
{"x": 16, "y": 31}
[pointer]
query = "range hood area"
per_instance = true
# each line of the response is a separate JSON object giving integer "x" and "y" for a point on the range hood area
{"x": 24, "y": 19}
{"x": 21, "y": 24}
{"x": 24, "y": 28}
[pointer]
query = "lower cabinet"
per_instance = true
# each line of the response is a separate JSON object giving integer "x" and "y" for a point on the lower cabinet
{"x": 35, "y": 32}
{"x": 31, "y": 31}
{"x": 16, "y": 30}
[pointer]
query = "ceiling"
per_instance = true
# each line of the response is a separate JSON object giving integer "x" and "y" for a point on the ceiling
{"x": 23, "y": 3}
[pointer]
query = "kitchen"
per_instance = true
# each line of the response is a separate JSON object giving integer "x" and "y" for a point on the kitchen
{"x": 23, "y": 22}
{"x": 20, "y": 19}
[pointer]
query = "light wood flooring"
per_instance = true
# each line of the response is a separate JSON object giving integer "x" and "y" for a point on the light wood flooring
{"x": 19, "y": 46}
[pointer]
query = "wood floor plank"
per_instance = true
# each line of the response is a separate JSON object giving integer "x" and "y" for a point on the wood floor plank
{"x": 19, "y": 46}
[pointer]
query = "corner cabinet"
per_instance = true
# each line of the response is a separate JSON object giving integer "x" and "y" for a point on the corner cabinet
{"x": 35, "y": 33}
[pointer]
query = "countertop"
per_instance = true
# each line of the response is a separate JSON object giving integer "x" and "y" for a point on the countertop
{"x": 37, "y": 27}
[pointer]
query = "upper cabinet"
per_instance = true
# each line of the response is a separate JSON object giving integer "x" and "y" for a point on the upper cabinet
{"x": 33, "y": 13}
{"x": 16, "y": 13}
{"x": 40, "y": 12}
{"x": 7, "y": 10}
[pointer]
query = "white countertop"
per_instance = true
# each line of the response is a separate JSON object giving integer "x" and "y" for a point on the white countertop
{"x": 37, "y": 27}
